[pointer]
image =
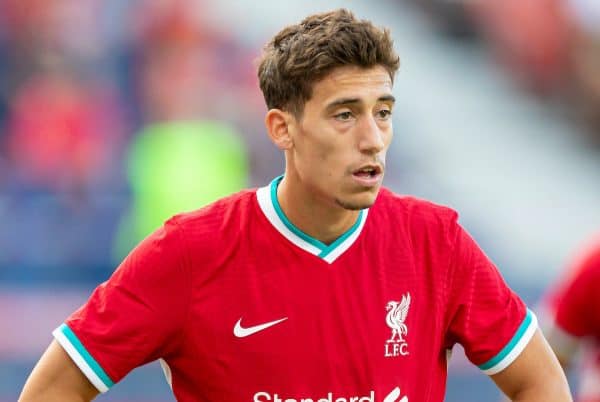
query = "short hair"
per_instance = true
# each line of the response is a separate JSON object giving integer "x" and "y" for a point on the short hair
{"x": 300, "y": 55}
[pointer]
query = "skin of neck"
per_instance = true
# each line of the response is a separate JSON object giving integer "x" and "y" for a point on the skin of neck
{"x": 311, "y": 212}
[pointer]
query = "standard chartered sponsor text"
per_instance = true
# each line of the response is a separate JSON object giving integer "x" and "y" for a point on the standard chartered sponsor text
{"x": 330, "y": 397}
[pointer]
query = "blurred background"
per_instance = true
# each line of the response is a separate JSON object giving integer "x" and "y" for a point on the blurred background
{"x": 114, "y": 114}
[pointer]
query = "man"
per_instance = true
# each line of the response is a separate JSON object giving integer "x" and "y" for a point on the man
{"x": 318, "y": 287}
{"x": 572, "y": 320}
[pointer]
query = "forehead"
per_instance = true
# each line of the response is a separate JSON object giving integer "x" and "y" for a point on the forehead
{"x": 353, "y": 81}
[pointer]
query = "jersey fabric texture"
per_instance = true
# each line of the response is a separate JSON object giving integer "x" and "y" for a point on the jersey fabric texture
{"x": 573, "y": 309}
{"x": 241, "y": 305}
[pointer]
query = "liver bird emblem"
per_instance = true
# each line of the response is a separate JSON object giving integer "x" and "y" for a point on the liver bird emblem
{"x": 396, "y": 315}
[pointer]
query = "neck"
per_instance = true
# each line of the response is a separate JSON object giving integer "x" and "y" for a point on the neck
{"x": 319, "y": 218}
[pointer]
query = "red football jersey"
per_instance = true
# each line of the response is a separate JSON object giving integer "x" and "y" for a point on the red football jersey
{"x": 241, "y": 305}
{"x": 573, "y": 311}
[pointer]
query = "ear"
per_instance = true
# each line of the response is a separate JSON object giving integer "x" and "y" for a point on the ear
{"x": 278, "y": 123}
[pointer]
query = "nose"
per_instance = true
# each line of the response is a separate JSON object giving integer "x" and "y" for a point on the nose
{"x": 371, "y": 136}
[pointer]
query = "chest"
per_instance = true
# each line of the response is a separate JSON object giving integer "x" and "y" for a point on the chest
{"x": 288, "y": 322}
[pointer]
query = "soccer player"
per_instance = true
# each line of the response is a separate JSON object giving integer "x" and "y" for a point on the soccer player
{"x": 572, "y": 320}
{"x": 320, "y": 286}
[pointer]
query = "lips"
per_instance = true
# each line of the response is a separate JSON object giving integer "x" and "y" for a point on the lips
{"x": 368, "y": 176}
{"x": 368, "y": 171}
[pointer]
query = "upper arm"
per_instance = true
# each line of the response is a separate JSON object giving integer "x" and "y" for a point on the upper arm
{"x": 136, "y": 317}
{"x": 535, "y": 375}
{"x": 57, "y": 378}
{"x": 498, "y": 332}
{"x": 485, "y": 316}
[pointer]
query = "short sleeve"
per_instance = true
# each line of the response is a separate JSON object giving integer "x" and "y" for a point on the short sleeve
{"x": 135, "y": 317}
{"x": 486, "y": 317}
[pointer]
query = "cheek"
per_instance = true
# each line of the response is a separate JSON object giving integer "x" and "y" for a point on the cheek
{"x": 323, "y": 155}
{"x": 322, "y": 150}
{"x": 318, "y": 150}
{"x": 322, "y": 160}
{"x": 321, "y": 164}
{"x": 332, "y": 157}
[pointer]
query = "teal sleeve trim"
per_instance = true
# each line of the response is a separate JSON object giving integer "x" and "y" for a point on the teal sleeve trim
{"x": 511, "y": 346}
{"x": 91, "y": 362}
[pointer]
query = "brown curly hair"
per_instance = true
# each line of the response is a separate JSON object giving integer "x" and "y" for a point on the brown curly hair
{"x": 302, "y": 54}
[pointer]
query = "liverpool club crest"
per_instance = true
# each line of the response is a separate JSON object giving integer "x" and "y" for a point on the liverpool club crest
{"x": 396, "y": 315}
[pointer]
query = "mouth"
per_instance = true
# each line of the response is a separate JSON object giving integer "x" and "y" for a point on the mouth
{"x": 368, "y": 174}
{"x": 368, "y": 171}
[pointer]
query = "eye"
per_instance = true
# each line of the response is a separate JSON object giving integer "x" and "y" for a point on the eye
{"x": 344, "y": 116}
{"x": 384, "y": 114}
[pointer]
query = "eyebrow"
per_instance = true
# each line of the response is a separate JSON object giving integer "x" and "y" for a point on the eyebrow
{"x": 352, "y": 101}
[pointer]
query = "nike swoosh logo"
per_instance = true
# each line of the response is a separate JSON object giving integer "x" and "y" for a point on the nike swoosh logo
{"x": 242, "y": 332}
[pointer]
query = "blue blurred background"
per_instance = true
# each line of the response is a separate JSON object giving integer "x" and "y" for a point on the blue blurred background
{"x": 498, "y": 116}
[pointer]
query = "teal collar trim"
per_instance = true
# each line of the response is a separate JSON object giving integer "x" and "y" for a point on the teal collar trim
{"x": 267, "y": 197}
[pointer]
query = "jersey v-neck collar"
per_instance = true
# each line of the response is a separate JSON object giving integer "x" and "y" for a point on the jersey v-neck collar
{"x": 267, "y": 200}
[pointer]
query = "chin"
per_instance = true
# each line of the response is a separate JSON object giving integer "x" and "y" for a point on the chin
{"x": 356, "y": 203}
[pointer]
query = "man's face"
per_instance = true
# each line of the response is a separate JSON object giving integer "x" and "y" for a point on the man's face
{"x": 340, "y": 142}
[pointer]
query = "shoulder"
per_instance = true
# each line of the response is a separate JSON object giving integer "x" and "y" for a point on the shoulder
{"x": 570, "y": 303}
{"x": 214, "y": 231}
{"x": 424, "y": 225}
{"x": 582, "y": 270}
{"x": 413, "y": 211}
{"x": 587, "y": 259}
{"x": 227, "y": 211}
{"x": 583, "y": 274}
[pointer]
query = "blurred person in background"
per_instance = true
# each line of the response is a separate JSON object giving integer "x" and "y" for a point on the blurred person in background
{"x": 62, "y": 132}
{"x": 63, "y": 135}
{"x": 571, "y": 320}
{"x": 185, "y": 132}
{"x": 585, "y": 64}
{"x": 531, "y": 39}
{"x": 65, "y": 122}
{"x": 320, "y": 284}
{"x": 551, "y": 47}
